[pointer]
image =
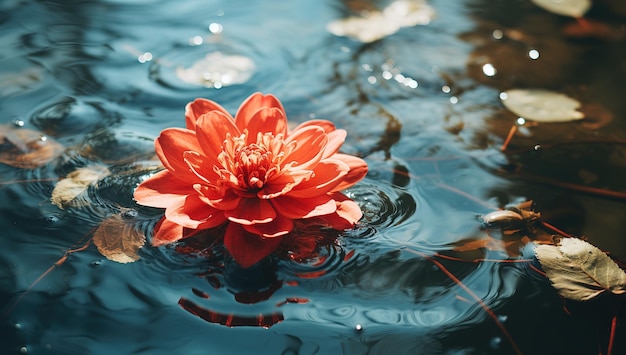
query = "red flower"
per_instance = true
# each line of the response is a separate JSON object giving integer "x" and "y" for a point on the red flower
{"x": 252, "y": 173}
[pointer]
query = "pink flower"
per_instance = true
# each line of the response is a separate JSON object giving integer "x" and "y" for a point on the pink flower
{"x": 252, "y": 173}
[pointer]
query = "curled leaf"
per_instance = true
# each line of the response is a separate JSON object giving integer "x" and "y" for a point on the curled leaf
{"x": 541, "y": 105}
{"x": 66, "y": 191}
{"x": 25, "y": 148}
{"x": 118, "y": 240}
{"x": 572, "y": 8}
{"x": 579, "y": 270}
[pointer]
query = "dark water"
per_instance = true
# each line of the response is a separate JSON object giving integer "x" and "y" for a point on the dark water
{"x": 100, "y": 78}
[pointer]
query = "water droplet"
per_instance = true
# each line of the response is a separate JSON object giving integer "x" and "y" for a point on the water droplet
{"x": 445, "y": 89}
{"x": 196, "y": 40}
{"x": 358, "y": 327}
{"x": 96, "y": 263}
{"x": 19, "y": 123}
{"x": 454, "y": 100}
{"x": 520, "y": 121}
{"x": 489, "y": 69}
{"x": 51, "y": 219}
{"x": 495, "y": 342}
{"x": 23, "y": 350}
{"x": 503, "y": 318}
{"x": 17, "y": 326}
{"x": 43, "y": 138}
{"x": 497, "y": 34}
{"x": 146, "y": 57}
{"x": 216, "y": 28}
{"x": 372, "y": 79}
{"x": 537, "y": 147}
{"x": 130, "y": 214}
{"x": 533, "y": 54}
{"x": 504, "y": 96}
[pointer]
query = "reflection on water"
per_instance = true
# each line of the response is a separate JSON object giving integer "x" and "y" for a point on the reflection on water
{"x": 421, "y": 105}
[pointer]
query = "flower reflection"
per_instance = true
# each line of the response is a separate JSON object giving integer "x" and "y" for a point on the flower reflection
{"x": 252, "y": 175}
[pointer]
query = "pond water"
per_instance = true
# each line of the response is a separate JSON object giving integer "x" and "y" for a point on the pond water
{"x": 421, "y": 105}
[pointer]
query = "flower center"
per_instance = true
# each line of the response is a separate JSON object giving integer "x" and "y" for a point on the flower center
{"x": 251, "y": 165}
{"x": 247, "y": 167}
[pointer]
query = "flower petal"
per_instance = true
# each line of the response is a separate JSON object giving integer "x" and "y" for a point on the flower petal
{"x": 170, "y": 146}
{"x": 276, "y": 228}
{"x": 327, "y": 175}
{"x": 283, "y": 183}
{"x": 266, "y": 120}
{"x": 336, "y": 137}
{"x": 297, "y": 208}
{"x": 212, "y": 129}
{"x": 191, "y": 212}
{"x": 310, "y": 144}
{"x": 253, "y": 104}
{"x": 222, "y": 199}
{"x": 166, "y": 232}
{"x": 161, "y": 190}
{"x": 246, "y": 248}
{"x": 250, "y": 211}
{"x": 358, "y": 170}
{"x": 202, "y": 167}
{"x": 199, "y": 107}
{"x": 347, "y": 215}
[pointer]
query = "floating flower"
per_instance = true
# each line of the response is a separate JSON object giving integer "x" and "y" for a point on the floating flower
{"x": 251, "y": 173}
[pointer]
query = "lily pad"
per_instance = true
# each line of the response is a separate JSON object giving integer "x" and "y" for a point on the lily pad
{"x": 542, "y": 105}
{"x": 579, "y": 270}
{"x": 572, "y": 8}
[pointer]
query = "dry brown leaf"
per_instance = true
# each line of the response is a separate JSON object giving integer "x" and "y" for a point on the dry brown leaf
{"x": 25, "y": 148}
{"x": 75, "y": 183}
{"x": 118, "y": 240}
{"x": 579, "y": 270}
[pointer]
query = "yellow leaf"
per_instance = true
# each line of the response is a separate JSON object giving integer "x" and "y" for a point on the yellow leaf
{"x": 579, "y": 270}
{"x": 541, "y": 105}
{"x": 66, "y": 191}
{"x": 572, "y": 8}
{"x": 118, "y": 240}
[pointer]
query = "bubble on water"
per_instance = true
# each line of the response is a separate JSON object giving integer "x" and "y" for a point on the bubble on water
{"x": 503, "y": 318}
{"x": 520, "y": 121}
{"x": 130, "y": 214}
{"x": 495, "y": 342}
{"x": 19, "y": 123}
{"x": 17, "y": 326}
{"x": 24, "y": 350}
{"x": 489, "y": 70}
{"x": 358, "y": 327}
{"x": 537, "y": 147}
{"x": 216, "y": 28}
{"x": 96, "y": 263}
{"x": 454, "y": 100}
{"x": 533, "y": 54}
{"x": 445, "y": 89}
{"x": 504, "y": 96}
{"x": 497, "y": 34}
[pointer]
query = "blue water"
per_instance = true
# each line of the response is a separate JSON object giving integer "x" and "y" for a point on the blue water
{"x": 102, "y": 78}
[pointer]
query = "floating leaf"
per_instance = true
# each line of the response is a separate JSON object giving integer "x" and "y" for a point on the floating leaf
{"x": 579, "y": 270}
{"x": 118, "y": 240}
{"x": 379, "y": 24}
{"x": 66, "y": 191}
{"x": 541, "y": 105}
{"x": 572, "y": 8}
{"x": 25, "y": 148}
{"x": 218, "y": 70}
